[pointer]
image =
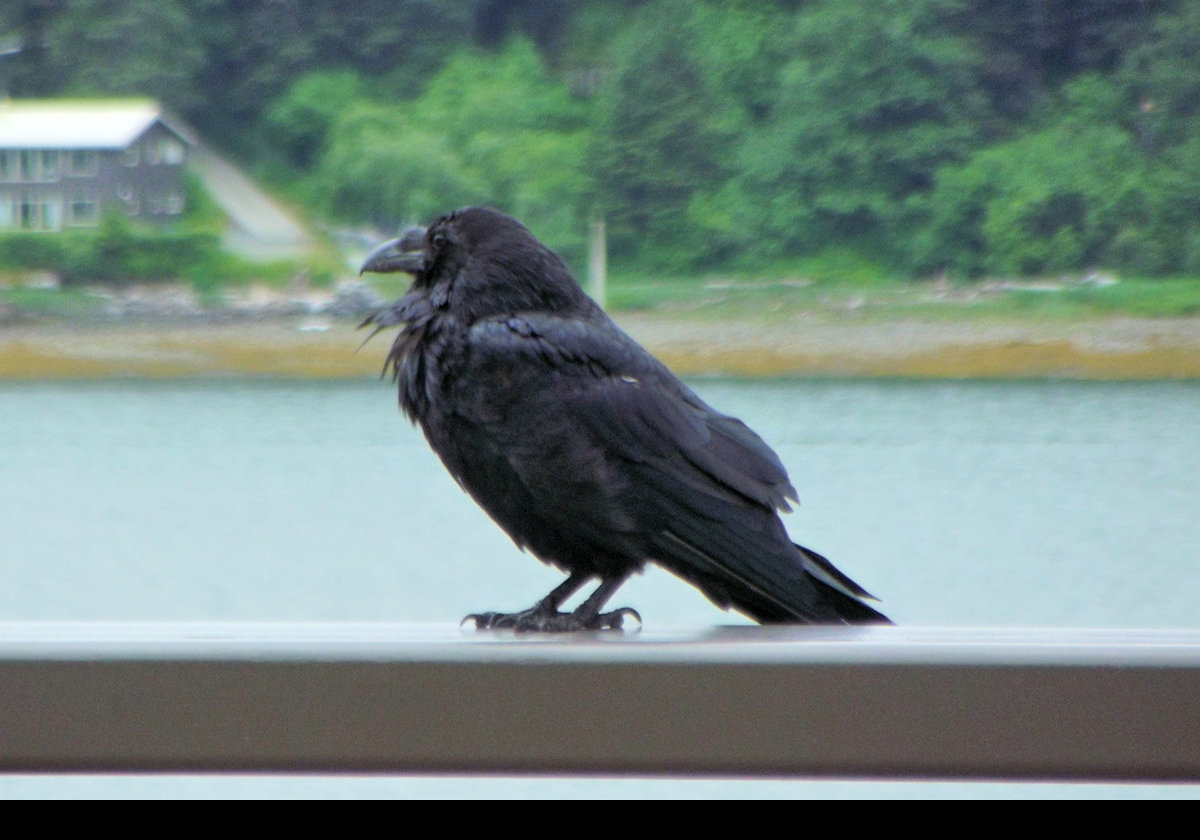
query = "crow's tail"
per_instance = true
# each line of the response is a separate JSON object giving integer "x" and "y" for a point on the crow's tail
{"x": 823, "y": 596}
{"x": 840, "y": 595}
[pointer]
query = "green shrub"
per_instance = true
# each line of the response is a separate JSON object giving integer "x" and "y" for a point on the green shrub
{"x": 116, "y": 252}
{"x": 32, "y": 251}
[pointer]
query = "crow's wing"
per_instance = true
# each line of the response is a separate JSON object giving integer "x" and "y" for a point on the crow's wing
{"x": 589, "y": 451}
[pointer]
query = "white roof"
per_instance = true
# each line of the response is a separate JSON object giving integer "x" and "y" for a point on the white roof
{"x": 78, "y": 123}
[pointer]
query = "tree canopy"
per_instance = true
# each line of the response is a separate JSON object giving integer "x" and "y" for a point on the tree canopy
{"x": 959, "y": 136}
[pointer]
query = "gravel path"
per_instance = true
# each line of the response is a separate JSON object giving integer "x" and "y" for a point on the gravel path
{"x": 260, "y": 228}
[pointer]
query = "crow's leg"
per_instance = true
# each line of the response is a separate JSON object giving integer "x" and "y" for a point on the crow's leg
{"x": 545, "y": 617}
{"x": 588, "y": 615}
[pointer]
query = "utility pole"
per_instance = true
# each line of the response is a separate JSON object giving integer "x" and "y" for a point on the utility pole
{"x": 597, "y": 259}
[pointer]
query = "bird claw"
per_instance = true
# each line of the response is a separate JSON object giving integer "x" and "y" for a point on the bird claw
{"x": 542, "y": 621}
{"x": 615, "y": 620}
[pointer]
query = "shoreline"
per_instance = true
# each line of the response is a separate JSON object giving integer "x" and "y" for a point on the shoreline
{"x": 802, "y": 345}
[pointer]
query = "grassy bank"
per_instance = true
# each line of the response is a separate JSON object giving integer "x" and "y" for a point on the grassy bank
{"x": 870, "y": 296}
{"x": 1092, "y": 328}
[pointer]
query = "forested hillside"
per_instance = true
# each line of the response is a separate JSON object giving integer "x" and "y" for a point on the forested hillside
{"x": 966, "y": 137}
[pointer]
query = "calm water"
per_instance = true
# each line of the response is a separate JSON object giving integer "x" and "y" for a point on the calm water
{"x": 957, "y": 503}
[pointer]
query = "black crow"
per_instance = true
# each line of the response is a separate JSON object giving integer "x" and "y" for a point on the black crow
{"x": 582, "y": 446}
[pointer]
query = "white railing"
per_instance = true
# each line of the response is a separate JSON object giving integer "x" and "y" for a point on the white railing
{"x": 888, "y": 702}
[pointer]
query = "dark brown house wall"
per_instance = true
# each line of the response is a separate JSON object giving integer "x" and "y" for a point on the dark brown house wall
{"x": 55, "y": 189}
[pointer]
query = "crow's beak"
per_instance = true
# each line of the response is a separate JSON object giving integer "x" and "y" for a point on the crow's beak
{"x": 406, "y": 253}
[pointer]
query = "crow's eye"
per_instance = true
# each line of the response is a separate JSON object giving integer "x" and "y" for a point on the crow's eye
{"x": 437, "y": 239}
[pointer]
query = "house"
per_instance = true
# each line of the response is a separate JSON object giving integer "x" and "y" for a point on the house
{"x": 63, "y": 163}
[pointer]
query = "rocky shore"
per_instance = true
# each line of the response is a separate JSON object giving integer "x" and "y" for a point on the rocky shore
{"x": 177, "y": 303}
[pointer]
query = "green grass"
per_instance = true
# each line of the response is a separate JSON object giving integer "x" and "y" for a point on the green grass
{"x": 1139, "y": 298}
{"x": 884, "y": 299}
{"x": 69, "y": 303}
{"x": 836, "y": 285}
{"x": 1145, "y": 298}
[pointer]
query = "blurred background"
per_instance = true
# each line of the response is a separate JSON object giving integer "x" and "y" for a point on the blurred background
{"x": 943, "y": 255}
{"x": 857, "y": 139}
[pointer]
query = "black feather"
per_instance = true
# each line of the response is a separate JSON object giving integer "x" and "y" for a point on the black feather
{"x": 584, "y": 447}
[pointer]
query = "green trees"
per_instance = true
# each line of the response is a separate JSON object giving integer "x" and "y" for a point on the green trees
{"x": 382, "y": 167}
{"x": 872, "y": 99}
{"x": 299, "y": 121}
{"x": 663, "y": 137}
{"x": 1106, "y": 173}
{"x": 135, "y": 48}
{"x": 490, "y": 128}
{"x": 971, "y": 137}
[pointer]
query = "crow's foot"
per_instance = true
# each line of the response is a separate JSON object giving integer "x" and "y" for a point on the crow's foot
{"x": 551, "y": 621}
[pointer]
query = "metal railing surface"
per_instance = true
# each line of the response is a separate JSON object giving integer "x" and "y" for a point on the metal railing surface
{"x": 881, "y": 702}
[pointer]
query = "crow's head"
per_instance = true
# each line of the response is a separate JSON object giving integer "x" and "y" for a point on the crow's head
{"x": 478, "y": 262}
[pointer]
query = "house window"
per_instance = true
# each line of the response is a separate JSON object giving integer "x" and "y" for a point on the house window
{"x": 170, "y": 151}
{"x": 34, "y": 165}
{"x": 166, "y": 150}
{"x": 49, "y": 166}
{"x": 8, "y": 216}
{"x": 38, "y": 214}
{"x": 29, "y": 165}
{"x": 170, "y": 203}
{"x": 129, "y": 198}
{"x": 131, "y": 156}
{"x": 85, "y": 209}
{"x": 51, "y": 215}
{"x": 84, "y": 162}
{"x": 8, "y": 167}
{"x": 29, "y": 214}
